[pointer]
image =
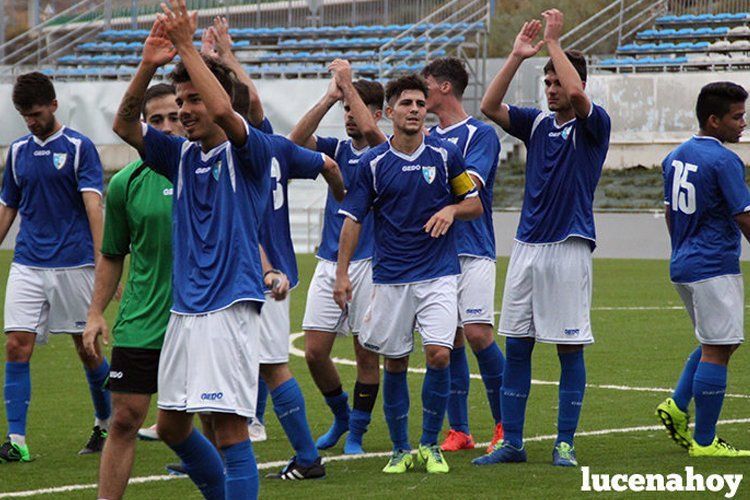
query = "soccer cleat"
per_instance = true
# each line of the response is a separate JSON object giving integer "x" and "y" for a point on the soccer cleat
{"x": 257, "y": 431}
{"x": 457, "y": 440}
{"x": 502, "y": 454}
{"x": 564, "y": 455}
{"x": 718, "y": 449}
{"x": 96, "y": 441}
{"x": 330, "y": 438}
{"x": 148, "y": 434}
{"x": 676, "y": 421}
{"x": 296, "y": 472}
{"x": 496, "y": 438}
{"x": 11, "y": 452}
{"x": 176, "y": 469}
{"x": 400, "y": 462}
{"x": 432, "y": 458}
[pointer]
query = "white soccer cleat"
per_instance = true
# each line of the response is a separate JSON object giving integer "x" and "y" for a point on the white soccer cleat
{"x": 148, "y": 433}
{"x": 257, "y": 431}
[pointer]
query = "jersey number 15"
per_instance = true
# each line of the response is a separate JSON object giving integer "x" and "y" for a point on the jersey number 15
{"x": 683, "y": 191}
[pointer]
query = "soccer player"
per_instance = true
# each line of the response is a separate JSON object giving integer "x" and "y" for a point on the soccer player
{"x": 707, "y": 209}
{"x": 475, "y": 240}
{"x": 363, "y": 108}
{"x": 547, "y": 295}
{"x": 53, "y": 179}
{"x": 138, "y": 222}
{"x": 416, "y": 186}
{"x": 209, "y": 361}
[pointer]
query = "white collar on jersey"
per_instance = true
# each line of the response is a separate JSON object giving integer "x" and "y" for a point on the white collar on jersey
{"x": 451, "y": 127}
{"x": 49, "y": 139}
{"x": 405, "y": 156}
{"x": 707, "y": 137}
{"x": 211, "y": 152}
{"x": 358, "y": 152}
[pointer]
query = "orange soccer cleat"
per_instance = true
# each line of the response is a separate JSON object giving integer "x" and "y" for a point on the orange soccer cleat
{"x": 457, "y": 440}
{"x": 496, "y": 438}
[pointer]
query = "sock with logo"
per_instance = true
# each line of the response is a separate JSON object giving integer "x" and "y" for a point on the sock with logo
{"x": 17, "y": 393}
{"x": 491, "y": 363}
{"x": 709, "y": 386}
{"x": 683, "y": 393}
{"x": 203, "y": 464}
{"x": 99, "y": 395}
{"x": 359, "y": 419}
{"x": 260, "y": 406}
{"x": 570, "y": 393}
{"x": 241, "y": 471}
{"x": 396, "y": 408}
{"x": 289, "y": 405}
{"x": 516, "y": 387}
{"x": 458, "y": 407}
{"x": 435, "y": 392}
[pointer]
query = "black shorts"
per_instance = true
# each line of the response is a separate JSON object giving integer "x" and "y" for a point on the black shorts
{"x": 134, "y": 370}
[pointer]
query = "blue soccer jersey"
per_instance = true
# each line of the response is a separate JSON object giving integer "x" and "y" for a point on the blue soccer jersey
{"x": 220, "y": 198}
{"x": 44, "y": 181}
{"x": 563, "y": 166}
{"x": 404, "y": 192}
{"x": 348, "y": 159}
{"x": 288, "y": 161}
{"x": 481, "y": 149}
{"x": 704, "y": 188}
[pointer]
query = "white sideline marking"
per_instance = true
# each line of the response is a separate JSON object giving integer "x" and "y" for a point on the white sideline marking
{"x": 342, "y": 458}
{"x": 614, "y": 387}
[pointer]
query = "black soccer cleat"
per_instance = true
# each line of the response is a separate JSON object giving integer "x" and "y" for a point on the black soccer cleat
{"x": 296, "y": 472}
{"x": 10, "y": 452}
{"x": 96, "y": 441}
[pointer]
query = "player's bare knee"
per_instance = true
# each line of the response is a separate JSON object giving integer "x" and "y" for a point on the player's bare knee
{"x": 367, "y": 361}
{"x": 396, "y": 365}
{"x": 18, "y": 347}
{"x": 125, "y": 422}
{"x": 568, "y": 348}
{"x": 438, "y": 357}
{"x": 479, "y": 336}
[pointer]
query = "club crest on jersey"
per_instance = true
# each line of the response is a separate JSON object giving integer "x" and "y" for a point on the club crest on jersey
{"x": 565, "y": 133}
{"x": 429, "y": 174}
{"x": 58, "y": 160}
{"x": 453, "y": 140}
{"x": 216, "y": 170}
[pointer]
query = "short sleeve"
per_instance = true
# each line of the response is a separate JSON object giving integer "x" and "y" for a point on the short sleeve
{"x": 90, "y": 174}
{"x": 162, "y": 152}
{"x": 255, "y": 154}
{"x": 731, "y": 178}
{"x": 360, "y": 196}
{"x": 482, "y": 153}
{"x": 461, "y": 184}
{"x": 11, "y": 194}
{"x": 116, "y": 240}
{"x": 327, "y": 145}
{"x": 303, "y": 164}
{"x": 265, "y": 126}
{"x": 522, "y": 121}
{"x": 598, "y": 124}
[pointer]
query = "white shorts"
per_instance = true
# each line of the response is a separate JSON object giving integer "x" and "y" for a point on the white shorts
{"x": 274, "y": 331}
{"x": 476, "y": 291}
{"x": 397, "y": 310}
{"x": 547, "y": 293}
{"x": 43, "y": 301}
{"x": 717, "y": 308}
{"x": 322, "y": 313}
{"x": 209, "y": 362}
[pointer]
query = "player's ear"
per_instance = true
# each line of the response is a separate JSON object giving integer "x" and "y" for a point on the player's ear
{"x": 712, "y": 122}
{"x": 53, "y": 105}
{"x": 389, "y": 112}
{"x": 378, "y": 115}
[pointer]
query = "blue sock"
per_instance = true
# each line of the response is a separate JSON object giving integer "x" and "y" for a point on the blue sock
{"x": 396, "y": 408}
{"x": 572, "y": 388}
{"x": 683, "y": 393}
{"x": 242, "y": 472}
{"x": 339, "y": 405}
{"x": 435, "y": 392}
{"x": 516, "y": 387}
{"x": 260, "y": 406}
{"x": 358, "y": 422}
{"x": 17, "y": 396}
{"x": 458, "y": 407}
{"x": 203, "y": 464}
{"x": 709, "y": 386}
{"x": 289, "y": 405}
{"x": 491, "y": 363}
{"x": 99, "y": 395}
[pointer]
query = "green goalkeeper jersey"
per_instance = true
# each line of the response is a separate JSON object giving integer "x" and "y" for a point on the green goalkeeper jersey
{"x": 138, "y": 221}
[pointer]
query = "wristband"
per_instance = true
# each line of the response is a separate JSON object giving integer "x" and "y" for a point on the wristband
{"x": 271, "y": 271}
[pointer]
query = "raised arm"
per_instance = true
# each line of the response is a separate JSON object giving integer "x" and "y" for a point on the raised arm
{"x": 157, "y": 51}
{"x": 566, "y": 73}
{"x": 523, "y": 48}
{"x": 332, "y": 174}
{"x": 303, "y": 134}
{"x": 180, "y": 28}
{"x": 342, "y": 289}
{"x": 342, "y": 74}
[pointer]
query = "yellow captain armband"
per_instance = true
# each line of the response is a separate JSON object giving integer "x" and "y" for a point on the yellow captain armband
{"x": 462, "y": 184}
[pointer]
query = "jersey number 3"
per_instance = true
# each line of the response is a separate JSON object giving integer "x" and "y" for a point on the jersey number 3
{"x": 683, "y": 191}
{"x": 278, "y": 189}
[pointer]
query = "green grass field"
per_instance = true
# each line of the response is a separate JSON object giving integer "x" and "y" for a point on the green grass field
{"x": 643, "y": 336}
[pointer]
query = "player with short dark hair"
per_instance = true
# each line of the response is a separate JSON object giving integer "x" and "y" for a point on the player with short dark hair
{"x": 53, "y": 179}
{"x": 547, "y": 295}
{"x": 323, "y": 320}
{"x": 707, "y": 209}
{"x": 415, "y": 186}
{"x": 475, "y": 240}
